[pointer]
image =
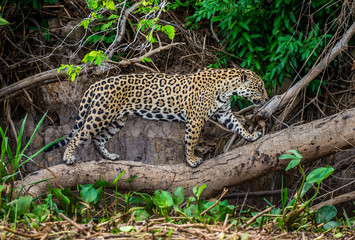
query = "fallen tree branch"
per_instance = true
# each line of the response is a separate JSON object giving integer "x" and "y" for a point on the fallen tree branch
{"x": 313, "y": 140}
{"x": 280, "y": 100}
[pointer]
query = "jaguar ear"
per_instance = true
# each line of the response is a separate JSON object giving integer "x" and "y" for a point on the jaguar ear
{"x": 244, "y": 78}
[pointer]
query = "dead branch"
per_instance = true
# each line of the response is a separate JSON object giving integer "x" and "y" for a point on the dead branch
{"x": 146, "y": 55}
{"x": 313, "y": 140}
{"x": 336, "y": 200}
{"x": 280, "y": 100}
{"x": 13, "y": 89}
{"x": 122, "y": 25}
{"x": 28, "y": 82}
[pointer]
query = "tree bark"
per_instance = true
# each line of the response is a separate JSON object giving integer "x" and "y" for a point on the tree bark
{"x": 313, "y": 140}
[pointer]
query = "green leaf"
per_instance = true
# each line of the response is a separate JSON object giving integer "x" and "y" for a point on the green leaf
{"x": 113, "y": 16}
{"x": 127, "y": 228}
{"x": 325, "y": 214}
{"x": 287, "y": 156}
{"x": 110, "y": 5}
{"x": 200, "y": 189}
{"x": 296, "y": 153}
{"x": 319, "y": 174}
{"x": 85, "y": 23}
{"x": 118, "y": 177}
{"x": 41, "y": 212}
{"x": 331, "y": 225}
{"x": 250, "y": 59}
{"x": 64, "y": 200}
{"x": 169, "y": 30}
{"x": 88, "y": 194}
{"x": 3, "y": 21}
{"x": 168, "y": 199}
{"x": 246, "y": 36}
{"x": 244, "y": 25}
{"x": 131, "y": 179}
{"x": 259, "y": 49}
{"x": 106, "y": 26}
{"x": 142, "y": 215}
{"x": 306, "y": 187}
{"x": 179, "y": 196}
{"x": 101, "y": 183}
{"x": 295, "y": 159}
{"x": 145, "y": 59}
{"x": 163, "y": 199}
{"x": 21, "y": 205}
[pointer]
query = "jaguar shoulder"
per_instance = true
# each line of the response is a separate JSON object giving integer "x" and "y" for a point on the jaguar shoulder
{"x": 190, "y": 98}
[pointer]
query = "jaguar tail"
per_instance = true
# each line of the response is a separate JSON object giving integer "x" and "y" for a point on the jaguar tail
{"x": 80, "y": 119}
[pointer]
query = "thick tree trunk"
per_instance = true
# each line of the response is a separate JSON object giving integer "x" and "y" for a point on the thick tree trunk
{"x": 313, "y": 140}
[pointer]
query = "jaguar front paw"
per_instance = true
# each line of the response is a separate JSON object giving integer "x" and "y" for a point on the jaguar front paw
{"x": 68, "y": 158}
{"x": 194, "y": 161}
{"x": 255, "y": 136}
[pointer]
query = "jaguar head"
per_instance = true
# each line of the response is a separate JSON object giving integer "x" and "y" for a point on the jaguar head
{"x": 249, "y": 85}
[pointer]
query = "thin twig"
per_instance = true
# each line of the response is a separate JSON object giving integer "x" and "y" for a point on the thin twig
{"x": 81, "y": 229}
{"x": 219, "y": 199}
{"x": 257, "y": 215}
{"x": 4, "y": 228}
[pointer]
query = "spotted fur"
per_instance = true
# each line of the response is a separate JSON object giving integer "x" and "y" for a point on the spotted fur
{"x": 190, "y": 98}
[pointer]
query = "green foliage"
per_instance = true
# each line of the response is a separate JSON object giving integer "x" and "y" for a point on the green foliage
{"x": 90, "y": 195}
{"x": 105, "y": 20}
{"x": 35, "y": 4}
{"x": 104, "y": 25}
{"x": 176, "y": 208}
{"x": 2, "y": 20}
{"x": 152, "y": 24}
{"x": 272, "y": 38}
{"x": 72, "y": 71}
{"x": 293, "y": 212}
{"x": 325, "y": 214}
{"x": 95, "y": 56}
{"x": 11, "y": 161}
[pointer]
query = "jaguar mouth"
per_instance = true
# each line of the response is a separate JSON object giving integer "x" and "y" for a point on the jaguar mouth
{"x": 256, "y": 101}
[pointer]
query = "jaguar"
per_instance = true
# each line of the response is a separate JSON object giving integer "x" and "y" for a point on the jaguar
{"x": 189, "y": 98}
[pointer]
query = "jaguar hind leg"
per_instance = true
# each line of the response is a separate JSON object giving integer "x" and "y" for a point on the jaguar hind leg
{"x": 105, "y": 135}
{"x": 89, "y": 130}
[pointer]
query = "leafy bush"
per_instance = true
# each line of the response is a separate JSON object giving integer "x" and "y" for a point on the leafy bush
{"x": 35, "y": 4}
{"x": 277, "y": 38}
{"x": 11, "y": 161}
